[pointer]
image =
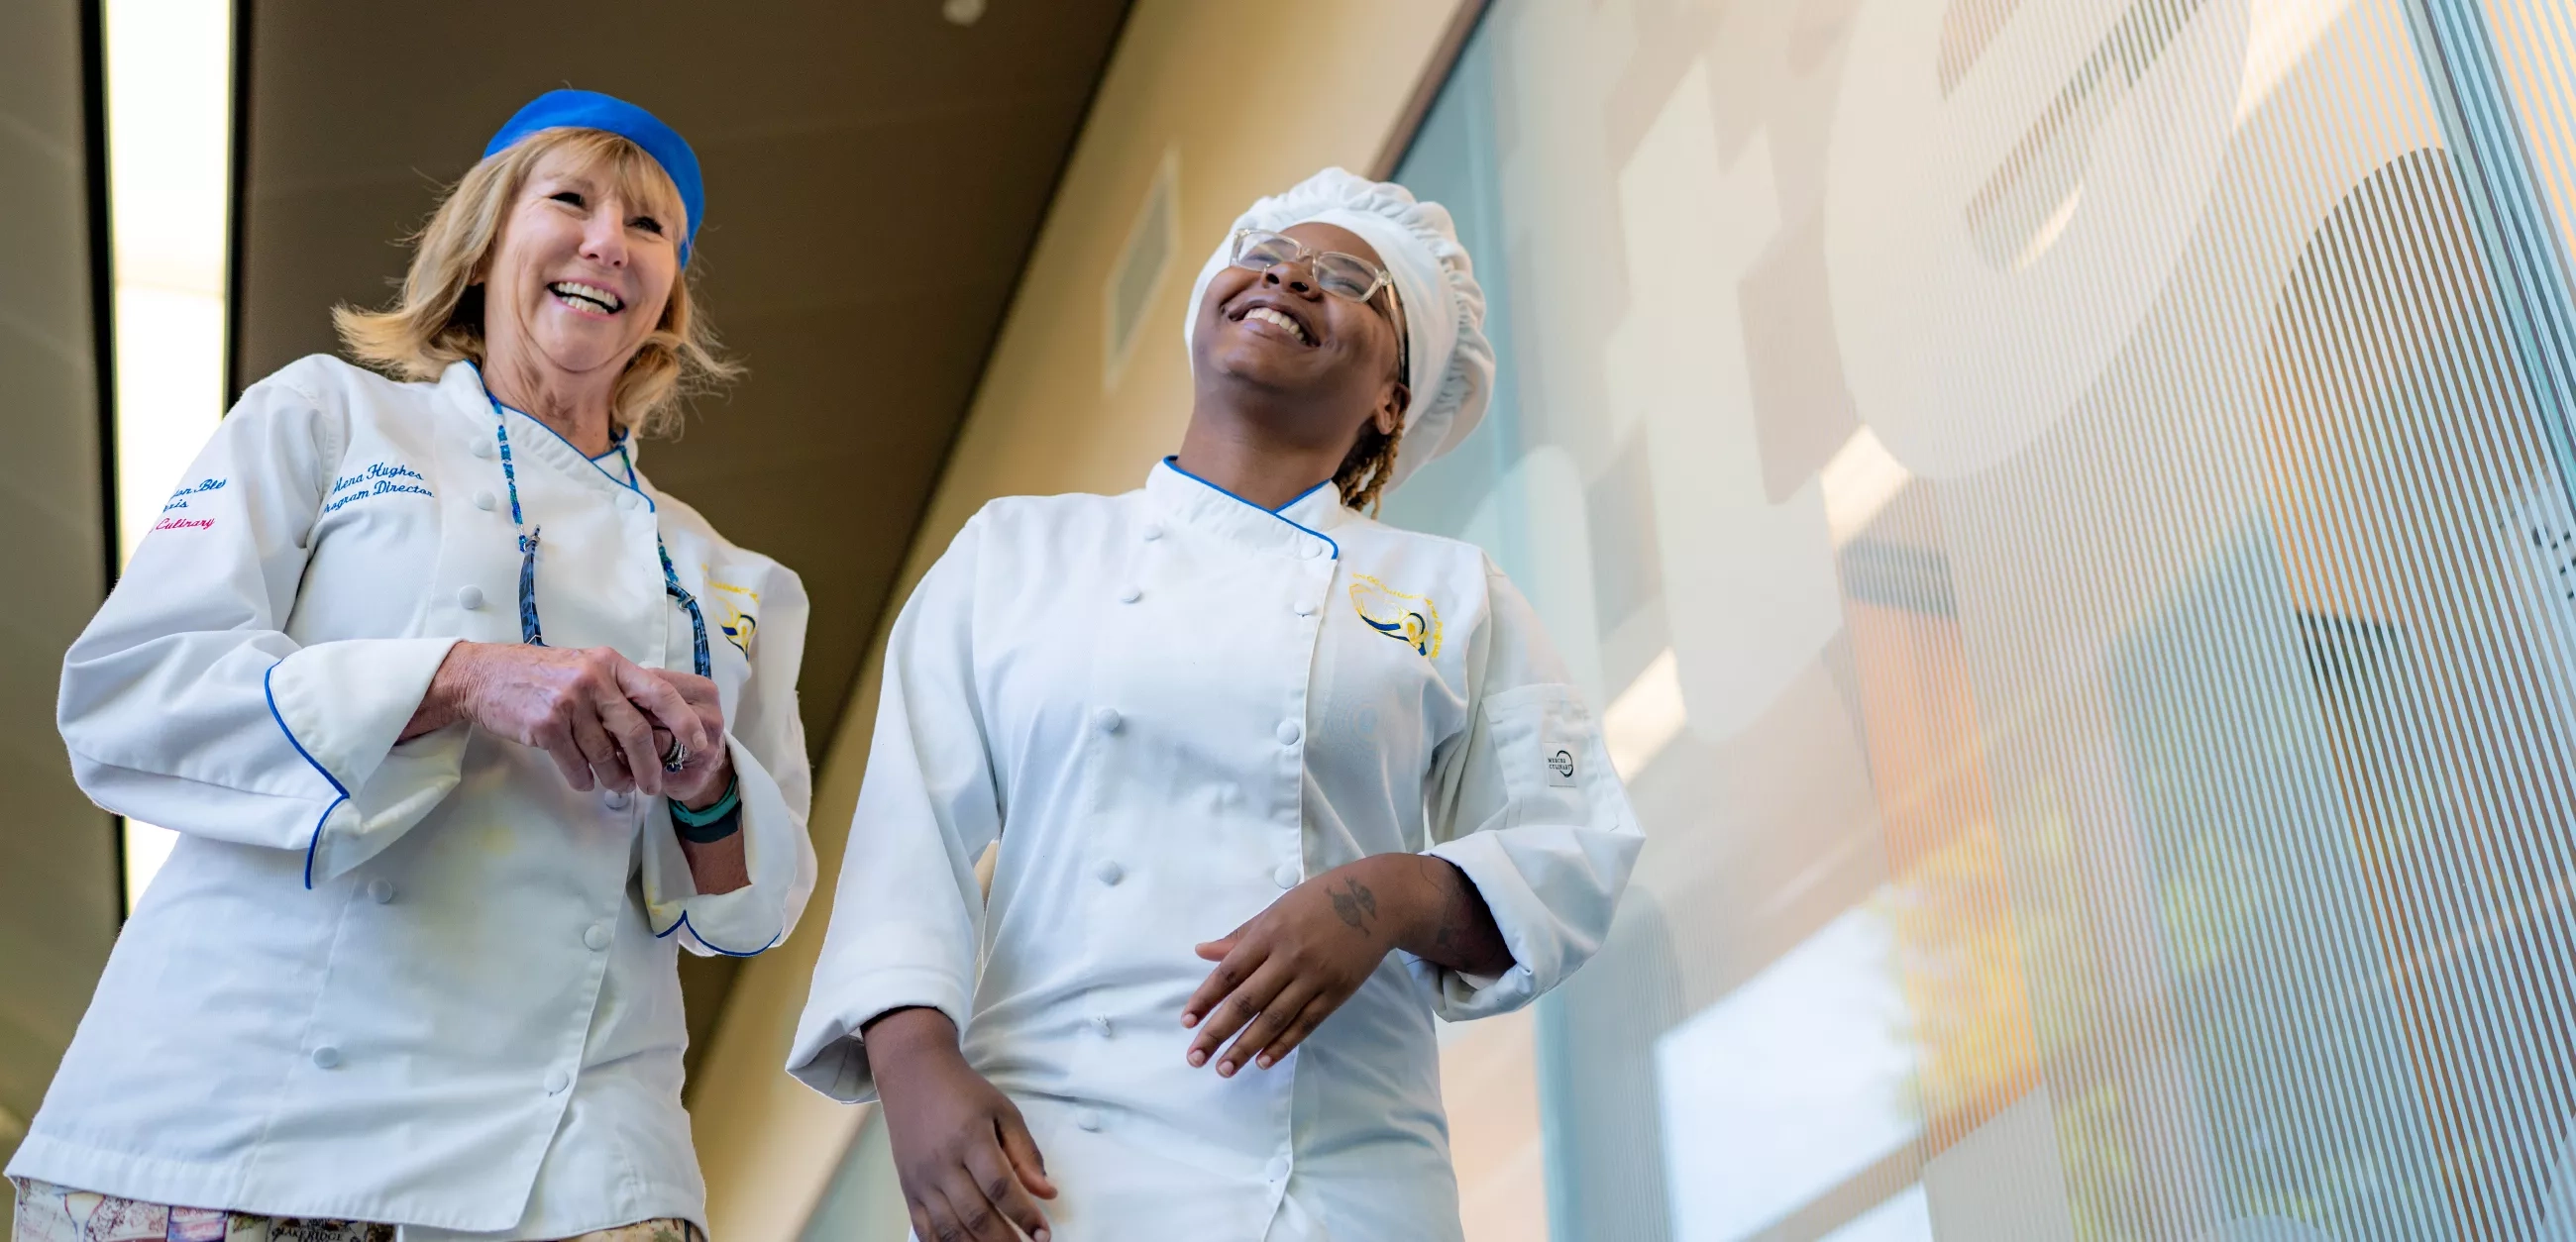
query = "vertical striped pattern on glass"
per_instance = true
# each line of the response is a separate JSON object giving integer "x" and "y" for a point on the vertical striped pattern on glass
{"x": 2064, "y": 509}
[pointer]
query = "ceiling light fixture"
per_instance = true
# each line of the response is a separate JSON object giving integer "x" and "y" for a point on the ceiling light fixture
{"x": 169, "y": 167}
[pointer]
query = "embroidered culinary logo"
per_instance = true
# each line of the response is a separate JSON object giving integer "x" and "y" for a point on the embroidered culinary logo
{"x": 1409, "y": 619}
{"x": 740, "y": 628}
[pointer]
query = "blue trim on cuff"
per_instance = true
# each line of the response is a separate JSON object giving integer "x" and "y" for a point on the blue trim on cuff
{"x": 693, "y": 931}
{"x": 1174, "y": 461}
{"x": 316, "y": 843}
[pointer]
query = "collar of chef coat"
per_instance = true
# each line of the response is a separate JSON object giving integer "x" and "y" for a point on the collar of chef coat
{"x": 1289, "y": 530}
{"x": 461, "y": 387}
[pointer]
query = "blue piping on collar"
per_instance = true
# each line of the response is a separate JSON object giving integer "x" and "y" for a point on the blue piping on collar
{"x": 1174, "y": 461}
{"x": 684, "y": 922}
{"x": 627, "y": 483}
{"x": 316, "y": 842}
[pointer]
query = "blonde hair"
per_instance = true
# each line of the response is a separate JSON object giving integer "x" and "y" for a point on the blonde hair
{"x": 438, "y": 320}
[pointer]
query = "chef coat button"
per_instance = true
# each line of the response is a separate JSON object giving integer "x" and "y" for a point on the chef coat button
{"x": 381, "y": 890}
{"x": 618, "y": 800}
{"x": 482, "y": 448}
{"x": 1100, "y": 1025}
{"x": 1153, "y": 531}
{"x": 1289, "y": 732}
{"x": 1088, "y": 1119}
{"x": 469, "y": 597}
{"x": 1305, "y": 608}
{"x": 1278, "y": 1169}
{"x": 556, "y": 1081}
{"x": 630, "y": 502}
{"x": 1108, "y": 719}
{"x": 1110, "y": 872}
{"x": 326, "y": 1057}
{"x": 596, "y": 936}
{"x": 1286, "y": 875}
{"x": 484, "y": 500}
{"x": 1312, "y": 551}
{"x": 1130, "y": 595}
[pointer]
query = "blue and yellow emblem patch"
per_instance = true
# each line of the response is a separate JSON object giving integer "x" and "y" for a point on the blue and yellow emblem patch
{"x": 1409, "y": 619}
{"x": 742, "y": 629}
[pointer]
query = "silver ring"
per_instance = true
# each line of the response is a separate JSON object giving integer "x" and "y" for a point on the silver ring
{"x": 675, "y": 758}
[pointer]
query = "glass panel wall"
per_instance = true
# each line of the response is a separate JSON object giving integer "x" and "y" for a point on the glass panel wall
{"x": 2063, "y": 508}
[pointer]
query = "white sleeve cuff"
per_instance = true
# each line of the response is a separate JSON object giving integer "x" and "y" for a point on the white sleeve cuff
{"x": 1527, "y": 925}
{"x": 343, "y": 705}
{"x": 776, "y": 853}
{"x": 828, "y": 1054}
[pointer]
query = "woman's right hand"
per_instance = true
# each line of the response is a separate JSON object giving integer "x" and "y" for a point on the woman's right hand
{"x": 590, "y": 709}
{"x": 961, "y": 1149}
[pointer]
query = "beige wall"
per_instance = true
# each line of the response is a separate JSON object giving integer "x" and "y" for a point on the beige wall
{"x": 59, "y": 890}
{"x": 1187, "y": 78}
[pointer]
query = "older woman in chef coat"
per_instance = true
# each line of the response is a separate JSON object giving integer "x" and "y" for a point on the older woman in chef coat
{"x": 466, "y": 729}
{"x": 1274, "y": 785}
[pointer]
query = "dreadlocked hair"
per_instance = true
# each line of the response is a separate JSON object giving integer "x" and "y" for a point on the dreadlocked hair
{"x": 1368, "y": 468}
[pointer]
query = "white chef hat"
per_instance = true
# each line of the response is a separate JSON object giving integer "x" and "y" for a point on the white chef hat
{"x": 1444, "y": 309}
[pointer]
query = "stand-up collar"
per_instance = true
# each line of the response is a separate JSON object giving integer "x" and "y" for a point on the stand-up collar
{"x": 1298, "y": 528}
{"x": 461, "y": 386}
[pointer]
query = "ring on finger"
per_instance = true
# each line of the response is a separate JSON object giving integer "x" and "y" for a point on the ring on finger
{"x": 677, "y": 757}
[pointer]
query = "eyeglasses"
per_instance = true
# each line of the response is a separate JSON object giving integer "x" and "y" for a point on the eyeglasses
{"x": 1336, "y": 273}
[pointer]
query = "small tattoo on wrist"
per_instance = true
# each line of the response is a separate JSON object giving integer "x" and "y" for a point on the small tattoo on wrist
{"x": 1355, "y": 903}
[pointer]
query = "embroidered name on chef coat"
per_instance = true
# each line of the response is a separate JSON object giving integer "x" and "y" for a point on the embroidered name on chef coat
{"x": 174, "y": 512}
{"x": 1409, "y": 619}
{"x": 379, "y": 478}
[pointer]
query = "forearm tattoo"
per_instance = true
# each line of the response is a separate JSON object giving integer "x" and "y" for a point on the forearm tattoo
{"x": 1355, "y": 903}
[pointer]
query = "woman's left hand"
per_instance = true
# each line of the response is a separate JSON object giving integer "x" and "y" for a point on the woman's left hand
{"x": 702, "y": 779}
{"x": 1279, "y": 976}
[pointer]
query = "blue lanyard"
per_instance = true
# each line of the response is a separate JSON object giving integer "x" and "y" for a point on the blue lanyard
{"x": 532, "y": 633}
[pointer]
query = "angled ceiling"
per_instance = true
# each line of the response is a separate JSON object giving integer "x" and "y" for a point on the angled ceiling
{"x": 876, "y": 176}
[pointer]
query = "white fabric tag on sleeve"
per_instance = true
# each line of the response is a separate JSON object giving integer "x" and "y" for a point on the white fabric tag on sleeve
{"x": 1562, "y": 759}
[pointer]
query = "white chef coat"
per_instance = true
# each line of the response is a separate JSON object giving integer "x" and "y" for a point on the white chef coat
{"x": 422, "y": 982}
{"x": 1172, "y": 706}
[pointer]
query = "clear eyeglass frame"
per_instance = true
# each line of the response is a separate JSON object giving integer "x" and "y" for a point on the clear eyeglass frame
{"x": 1336, "y": 273}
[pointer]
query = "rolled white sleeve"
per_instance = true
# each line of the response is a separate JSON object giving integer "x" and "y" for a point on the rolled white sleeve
{"x": 1527, "y": 805}
{"x": 774, "y": 780}
{"x": 185, "y": 704}
{"x": 908, "y": 916}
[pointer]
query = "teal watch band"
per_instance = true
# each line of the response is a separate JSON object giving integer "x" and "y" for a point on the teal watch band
{"x": 712, "y": 824}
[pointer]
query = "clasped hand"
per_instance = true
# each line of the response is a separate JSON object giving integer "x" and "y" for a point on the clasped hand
{"x": 605, "y": 720}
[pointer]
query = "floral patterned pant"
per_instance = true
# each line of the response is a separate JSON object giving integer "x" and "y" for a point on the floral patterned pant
{"x": 50, "y": 1213}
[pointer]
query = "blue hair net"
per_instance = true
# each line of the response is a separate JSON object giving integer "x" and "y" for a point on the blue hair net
{"x": 592, "y": 110}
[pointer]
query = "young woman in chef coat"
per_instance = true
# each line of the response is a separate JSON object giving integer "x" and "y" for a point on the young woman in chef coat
{"x": 1274, "y": 784}
{"x": 466, "y": 729}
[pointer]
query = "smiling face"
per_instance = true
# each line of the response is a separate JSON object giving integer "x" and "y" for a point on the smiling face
{"x": 1326, "y": 360}
{"x": 582, "y": 272}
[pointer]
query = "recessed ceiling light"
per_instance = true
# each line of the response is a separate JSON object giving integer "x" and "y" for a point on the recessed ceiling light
{"x": 961, "y": 12}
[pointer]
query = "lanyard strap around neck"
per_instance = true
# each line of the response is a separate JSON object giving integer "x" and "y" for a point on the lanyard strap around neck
{"x": 531, "y": 631}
